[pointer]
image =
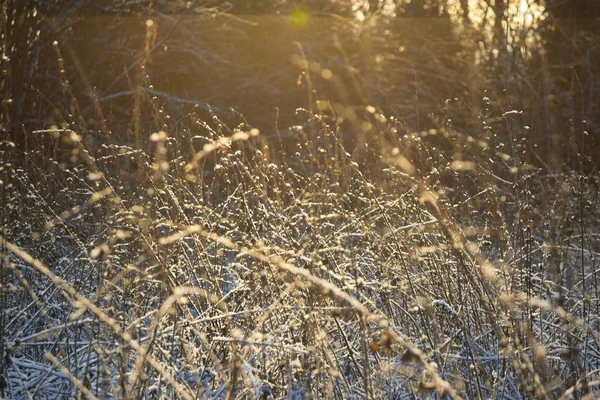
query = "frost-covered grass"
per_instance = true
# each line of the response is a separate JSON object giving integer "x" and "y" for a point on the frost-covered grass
{"x": 274, "y": 277}
{"x": 347, "y": 256}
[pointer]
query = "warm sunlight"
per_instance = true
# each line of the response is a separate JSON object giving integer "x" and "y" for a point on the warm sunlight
{"x": 300, "y": 17}
{"x": 316, "y": 199}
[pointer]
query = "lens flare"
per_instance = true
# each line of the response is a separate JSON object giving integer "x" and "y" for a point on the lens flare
{"x": 300, "y": 17}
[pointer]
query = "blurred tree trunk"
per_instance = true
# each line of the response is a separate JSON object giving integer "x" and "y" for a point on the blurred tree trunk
{"x": 373, "y": 5}
{"x": 20, "y": 37}
{"x": 499, "y": 17}
{"x": 464, "y": 6}
{"x": 569, "y": 63}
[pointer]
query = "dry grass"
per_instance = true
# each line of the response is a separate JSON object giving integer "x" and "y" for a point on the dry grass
{"x": 300, "y": 264}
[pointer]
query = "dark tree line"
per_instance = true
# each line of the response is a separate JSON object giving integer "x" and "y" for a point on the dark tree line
{"x": 554, "y": 75}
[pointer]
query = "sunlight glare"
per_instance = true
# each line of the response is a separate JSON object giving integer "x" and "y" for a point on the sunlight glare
{"x": 300, "y": 17}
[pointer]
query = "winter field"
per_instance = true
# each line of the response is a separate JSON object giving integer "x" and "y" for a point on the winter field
{"x": 299, "y": 200}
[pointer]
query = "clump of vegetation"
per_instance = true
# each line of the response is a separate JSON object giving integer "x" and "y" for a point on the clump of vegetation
{"x": 353, "y": 208}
